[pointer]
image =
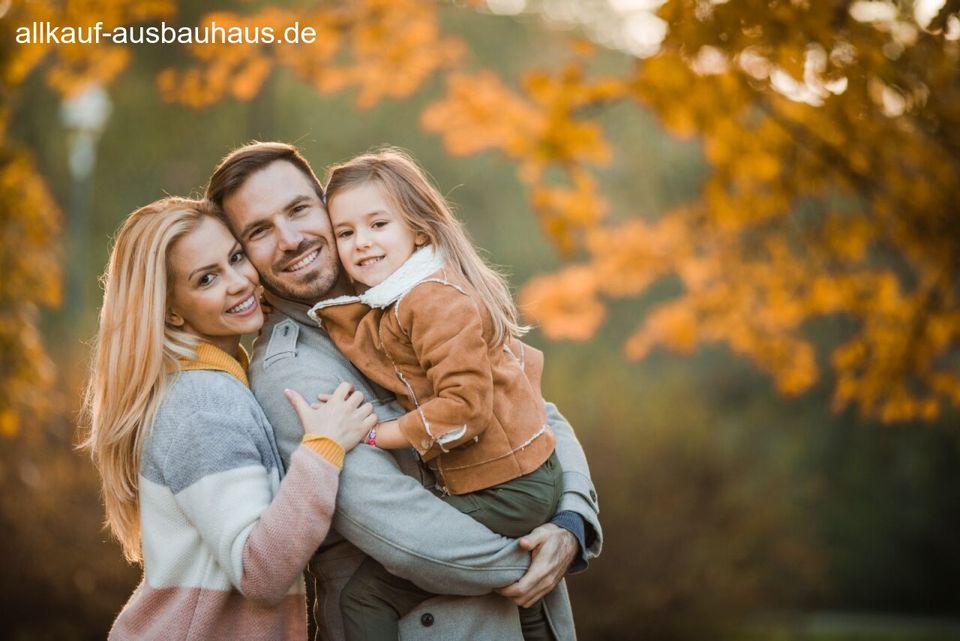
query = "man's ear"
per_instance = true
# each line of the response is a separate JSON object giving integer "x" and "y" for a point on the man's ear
{"x": 174, "y": 318}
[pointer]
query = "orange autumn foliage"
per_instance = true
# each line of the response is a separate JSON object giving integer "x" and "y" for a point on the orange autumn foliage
{"x": 380, "y": 48}
{"x": 832, "y": 142}
{"x": 29, "y": 215}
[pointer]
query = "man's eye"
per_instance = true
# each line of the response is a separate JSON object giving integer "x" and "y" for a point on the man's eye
{"x": 256, "y": 232}
{"x": 299, "y": 208}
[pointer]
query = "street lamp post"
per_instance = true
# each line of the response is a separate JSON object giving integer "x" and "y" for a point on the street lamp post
{"x": 84, "y": 115}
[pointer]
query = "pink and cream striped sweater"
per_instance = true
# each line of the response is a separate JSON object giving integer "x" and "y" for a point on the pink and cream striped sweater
{"x": 225, "y": 540}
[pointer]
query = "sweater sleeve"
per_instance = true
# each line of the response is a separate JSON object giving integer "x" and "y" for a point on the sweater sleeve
{"x": 445, "y": 329}
{"x": 291, "y": 528}
{"x": 262, "y": 542}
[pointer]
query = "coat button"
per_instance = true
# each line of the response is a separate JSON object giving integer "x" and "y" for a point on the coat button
{"x": 426, "y": 620}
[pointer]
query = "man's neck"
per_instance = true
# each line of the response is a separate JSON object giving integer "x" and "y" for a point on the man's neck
{"x": 340, "y": 288}
{"x": 297, "y": 309}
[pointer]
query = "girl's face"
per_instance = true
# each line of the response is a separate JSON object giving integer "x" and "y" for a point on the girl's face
{"x": 372, "y": 238}
{"x": 214, "y": 287}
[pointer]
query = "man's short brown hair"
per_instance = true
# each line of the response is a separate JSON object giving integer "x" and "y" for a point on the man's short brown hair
{"x": 241, "y": 163}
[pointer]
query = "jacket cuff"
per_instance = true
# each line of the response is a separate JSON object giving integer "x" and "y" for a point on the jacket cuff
{"x": 580, "y": 498}
{"x": 413, "y": 429}
{"x": 579, "y": 485}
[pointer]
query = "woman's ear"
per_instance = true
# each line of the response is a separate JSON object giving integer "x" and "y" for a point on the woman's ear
{"x": 420, "y": 239}
{"x": 174, "y": 318}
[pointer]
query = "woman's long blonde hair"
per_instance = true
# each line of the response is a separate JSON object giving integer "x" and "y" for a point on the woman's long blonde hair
{"x": 134, "y": 353}
{"x": 425, "y": 211}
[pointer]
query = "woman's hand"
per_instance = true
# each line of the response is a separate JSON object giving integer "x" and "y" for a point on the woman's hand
{"x": 342, "y": 416}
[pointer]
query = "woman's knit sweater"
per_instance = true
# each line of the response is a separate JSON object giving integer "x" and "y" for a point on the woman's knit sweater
{"x": 225, "y": 540}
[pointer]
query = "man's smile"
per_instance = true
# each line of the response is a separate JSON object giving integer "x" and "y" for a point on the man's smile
{"x": 303, "y": 262}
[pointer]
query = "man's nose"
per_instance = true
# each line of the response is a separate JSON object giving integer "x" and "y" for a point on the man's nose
{"x": 288, "y": 237}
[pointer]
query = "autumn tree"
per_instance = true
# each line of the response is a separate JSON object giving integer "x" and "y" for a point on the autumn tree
{"x": 830, "y": 130}
{"x": 30, "y": 217}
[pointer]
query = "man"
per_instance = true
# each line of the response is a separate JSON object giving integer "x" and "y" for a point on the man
{"x": 273, "y": 202}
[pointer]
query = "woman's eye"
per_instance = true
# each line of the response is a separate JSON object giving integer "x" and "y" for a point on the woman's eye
{"x": 379, "y": 224}
{"x": 237, "y": 257}
{"x": 344, "y": 234}
{"x": 205, "y": 280}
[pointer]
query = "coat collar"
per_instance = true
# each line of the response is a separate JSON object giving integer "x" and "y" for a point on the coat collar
{"x": 296, "y": 310}
{"x": 421, "y": 264}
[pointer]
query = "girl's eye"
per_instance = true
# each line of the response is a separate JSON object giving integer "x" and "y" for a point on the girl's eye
{"x": 205, "y": 280}
{"x": 237, "y": 257}
{"x": 380, "y": 224}
{"x": 344, "y": 234}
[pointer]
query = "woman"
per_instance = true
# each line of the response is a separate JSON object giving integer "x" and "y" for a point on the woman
{"x": 190, "y": 470}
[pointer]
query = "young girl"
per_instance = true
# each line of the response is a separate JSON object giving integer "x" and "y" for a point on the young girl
{"x": 189, "y": 465}
{"x": 435, "y": 325}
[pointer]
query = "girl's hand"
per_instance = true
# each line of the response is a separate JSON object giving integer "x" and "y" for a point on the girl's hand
{"x": 389, "y": 436}
{"x": 343, "y": 417}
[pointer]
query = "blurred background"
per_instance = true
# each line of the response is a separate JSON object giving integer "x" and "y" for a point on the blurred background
{"x": 734, "y": 223}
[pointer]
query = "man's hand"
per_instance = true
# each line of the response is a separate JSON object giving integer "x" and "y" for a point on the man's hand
{"x": 552, "y": 550}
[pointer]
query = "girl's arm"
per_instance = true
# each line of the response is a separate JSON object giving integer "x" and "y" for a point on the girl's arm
{"x": 389, "y": 436}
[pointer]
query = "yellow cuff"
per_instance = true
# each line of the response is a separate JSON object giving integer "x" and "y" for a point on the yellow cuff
{"x": 326, "y": 447}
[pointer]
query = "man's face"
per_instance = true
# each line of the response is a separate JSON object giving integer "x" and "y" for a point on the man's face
{"x": 285, "y": 232}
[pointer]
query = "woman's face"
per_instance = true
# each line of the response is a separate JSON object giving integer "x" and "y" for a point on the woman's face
{"x": 214, "y": 292}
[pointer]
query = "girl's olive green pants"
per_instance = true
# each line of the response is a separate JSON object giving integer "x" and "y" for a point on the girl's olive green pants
{"x": 374, "y": 601}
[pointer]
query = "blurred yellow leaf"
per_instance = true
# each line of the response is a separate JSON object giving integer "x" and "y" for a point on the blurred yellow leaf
{"x": 9, "y": 423}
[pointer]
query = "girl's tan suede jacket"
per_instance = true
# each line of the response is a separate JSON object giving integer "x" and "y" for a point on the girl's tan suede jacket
{"x": 475, "y": 411}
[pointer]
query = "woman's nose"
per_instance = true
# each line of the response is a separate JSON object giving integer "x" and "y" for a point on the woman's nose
{"x": 237, "y": 281}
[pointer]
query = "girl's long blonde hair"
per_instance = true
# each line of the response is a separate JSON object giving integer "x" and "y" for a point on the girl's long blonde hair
{"x": 424, "y": 210}
{"x": 134, "y": 353}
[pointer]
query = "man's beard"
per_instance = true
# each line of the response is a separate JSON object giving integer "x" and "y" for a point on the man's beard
{"x": 311, "y": 287}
